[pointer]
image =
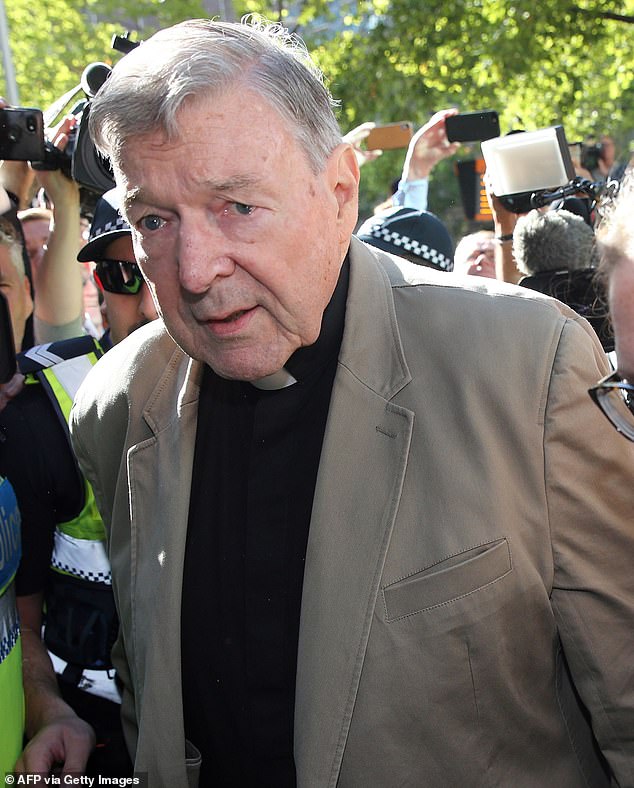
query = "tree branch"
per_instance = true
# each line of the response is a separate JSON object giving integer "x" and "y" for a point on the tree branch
{"x": 626, "y": 19}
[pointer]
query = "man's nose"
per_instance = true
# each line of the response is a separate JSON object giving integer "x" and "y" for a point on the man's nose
{"x": 203, "y": 255}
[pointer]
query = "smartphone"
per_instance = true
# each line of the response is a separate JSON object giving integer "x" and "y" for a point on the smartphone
{"x": 21, "y": 134}
{"x": 473, "y": 126}
{"x": 7, "y": 348}
{"x": 390, "y": 136}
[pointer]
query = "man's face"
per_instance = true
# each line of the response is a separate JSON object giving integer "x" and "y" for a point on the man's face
{"x": 36, "y": 233}
{"x": 127, "y": 312}
{"x": 476, "y": 256}
{"x": 608, "y": 151}
{"x": 15, "y": 288}
{"x": 621, "y": 296}
{"x": 241, "y": 242}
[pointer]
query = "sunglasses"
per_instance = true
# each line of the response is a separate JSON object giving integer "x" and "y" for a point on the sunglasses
{"x": 615, "y": 397}
{"x": 118, "y": 276}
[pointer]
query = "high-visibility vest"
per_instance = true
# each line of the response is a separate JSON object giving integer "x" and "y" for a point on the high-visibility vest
{"x": 80, "y": 622}
{"x": 11, "y": 692}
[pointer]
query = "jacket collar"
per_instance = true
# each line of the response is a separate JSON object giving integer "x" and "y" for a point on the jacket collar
{"x": 371, "y": 347}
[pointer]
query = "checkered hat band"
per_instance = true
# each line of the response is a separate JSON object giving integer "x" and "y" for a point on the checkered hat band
{"x": 8, "y": 641}
{"x": 118, "y": 224}
{"x": 9, "y": 623}
{"x": 412, "y": 246}
{"x": 82, "y": 574}
{"x": 84, "y": 558}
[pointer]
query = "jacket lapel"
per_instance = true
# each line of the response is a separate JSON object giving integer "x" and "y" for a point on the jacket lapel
{"x": 160, "y": 470}
{"x": 362, "y": 467}
{"x": 363, "y": 463}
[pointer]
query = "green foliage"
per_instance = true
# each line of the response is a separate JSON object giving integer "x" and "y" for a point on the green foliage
{"x": 52, "y": 41}
{"x": 538, "y": 64}
{"x": 556, "y": 61}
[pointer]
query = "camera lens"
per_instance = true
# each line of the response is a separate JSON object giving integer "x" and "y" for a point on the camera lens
{"x": 31, "y": 123}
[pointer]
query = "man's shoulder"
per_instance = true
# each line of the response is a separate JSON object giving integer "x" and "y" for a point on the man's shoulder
{"x": 463, "y": 318}
{"x": 131, "y": 369}
{"x": 145, "y": 343}
{"x": 481, "y": 293}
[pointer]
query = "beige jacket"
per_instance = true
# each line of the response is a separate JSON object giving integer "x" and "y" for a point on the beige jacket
{"x": 470, "y": 551}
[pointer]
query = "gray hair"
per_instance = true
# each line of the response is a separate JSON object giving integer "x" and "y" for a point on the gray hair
{"x": 614, "y": 233}
{"x": 203, "y": 58}
{"x": 9, "y": 239}
{"x": 553, "y": 241}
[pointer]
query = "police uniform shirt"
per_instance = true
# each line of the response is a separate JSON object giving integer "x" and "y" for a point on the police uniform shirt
{"x": 35, "y": 456}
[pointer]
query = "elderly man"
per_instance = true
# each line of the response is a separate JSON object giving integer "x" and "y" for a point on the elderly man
{"x": 354, "y": 541}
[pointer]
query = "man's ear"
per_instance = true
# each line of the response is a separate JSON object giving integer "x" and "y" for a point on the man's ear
{"x": 343, "y": 171}
{"x": 28, "y": 300}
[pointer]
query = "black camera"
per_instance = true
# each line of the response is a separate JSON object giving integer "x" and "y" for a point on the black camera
{"x": 22, "y": 139}
{"x": 22, "y": 134}
{"x": 80, "y": 160}
{"x": 531, "y": 169}
{"x": 590, "y": 155}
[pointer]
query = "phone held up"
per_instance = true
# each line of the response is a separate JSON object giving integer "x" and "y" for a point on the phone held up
{"x": 21, "y": 134}
{"x": 472, "y": 126}
{"x": 390, "y": 136}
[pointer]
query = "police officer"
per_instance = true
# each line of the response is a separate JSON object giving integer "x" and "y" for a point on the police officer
{"x": 11, "y": 693}
{"x": 63, "y": 532}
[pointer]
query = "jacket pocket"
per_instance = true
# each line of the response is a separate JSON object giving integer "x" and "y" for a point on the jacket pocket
{"x": 193, "y": 762}
{"x": 455, "y": 577}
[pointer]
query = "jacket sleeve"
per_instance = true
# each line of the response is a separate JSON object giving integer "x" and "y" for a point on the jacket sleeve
{"x": 100, "y": 460}
{"x": 589, "y": 477}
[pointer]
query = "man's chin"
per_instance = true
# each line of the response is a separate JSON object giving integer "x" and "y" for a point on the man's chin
{"x": 245, "y": 359}
{"x": 244, "y": 368}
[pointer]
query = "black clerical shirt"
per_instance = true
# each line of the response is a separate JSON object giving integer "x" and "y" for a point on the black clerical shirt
{"x": 255, "y": 467}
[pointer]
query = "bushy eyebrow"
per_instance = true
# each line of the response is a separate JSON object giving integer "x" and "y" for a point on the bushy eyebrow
{"x": 231, "y": 184}
{"x": 228, "y": 185}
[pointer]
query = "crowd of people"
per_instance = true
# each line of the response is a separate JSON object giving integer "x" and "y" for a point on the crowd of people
{"x": 293, "y": 497}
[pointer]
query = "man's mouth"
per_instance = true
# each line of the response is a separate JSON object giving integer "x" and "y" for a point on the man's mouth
{"x": 232, "y": 322}
{"x": 233, "y": 316}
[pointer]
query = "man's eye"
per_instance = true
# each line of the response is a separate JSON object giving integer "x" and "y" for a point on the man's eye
{"x": 243, "y": 209}
{"x": 151, "y": 223}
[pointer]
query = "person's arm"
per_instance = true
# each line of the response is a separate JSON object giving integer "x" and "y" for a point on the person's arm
{"x": 355, "y": 137}
{"x": 589, "y": 486}
{"x": 11, "y": 389}
{"x": 56, "y": 734}
{"x": 18, "y": 179}
{"x": 504, "y": 222}
{"x": 427, "y": 147}
{"x": 58, "y": 282}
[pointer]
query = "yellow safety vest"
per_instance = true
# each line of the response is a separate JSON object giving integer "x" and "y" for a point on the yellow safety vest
{"x": 11, "y": 691}
{"x": 79, "y": 543}
{"x": 81, "y": 622}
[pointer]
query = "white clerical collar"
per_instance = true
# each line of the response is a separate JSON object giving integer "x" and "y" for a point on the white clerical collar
{"x": 278, "y": 380}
